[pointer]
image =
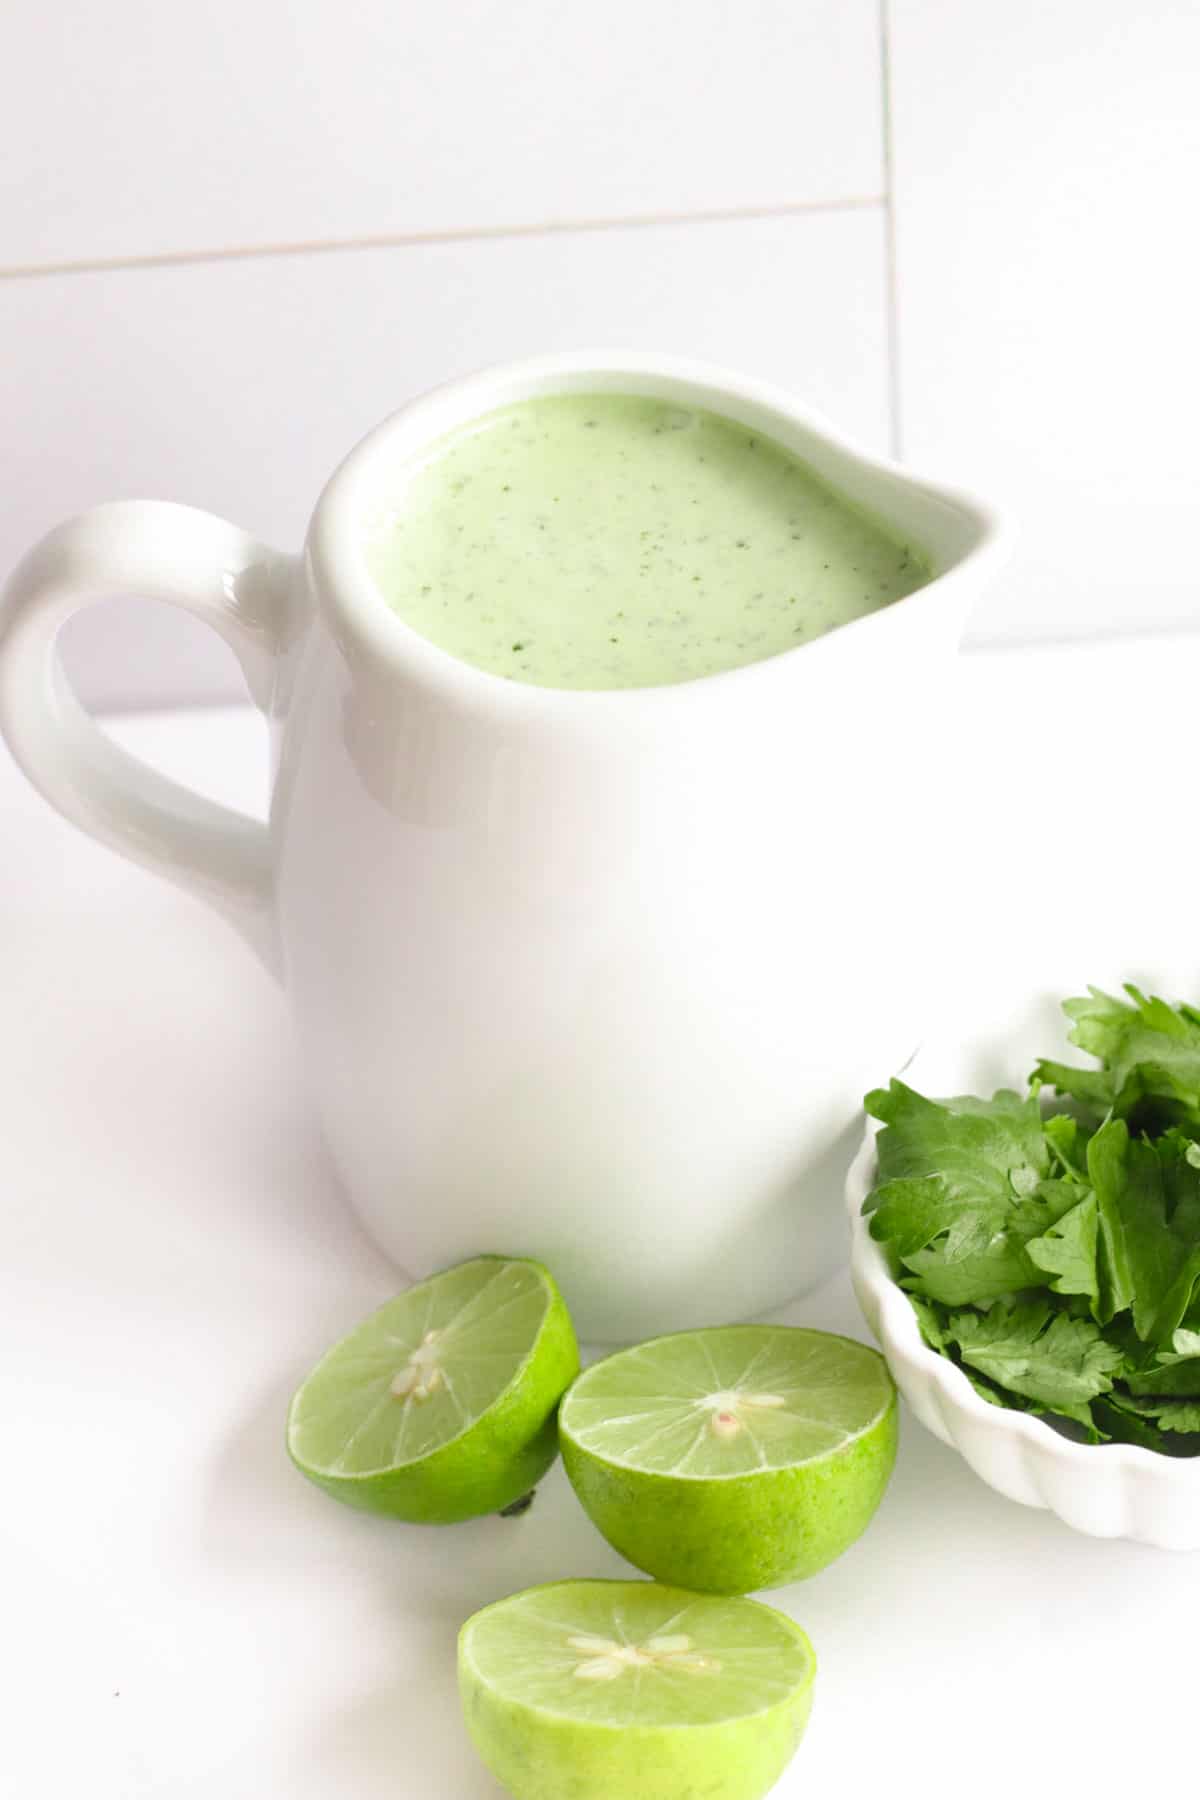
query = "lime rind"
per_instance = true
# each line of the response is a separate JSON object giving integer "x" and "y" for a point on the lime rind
{"x": 636, "y": 1705}
{"x": 443, "y": 1404}
{"x": 726, "y": 1489}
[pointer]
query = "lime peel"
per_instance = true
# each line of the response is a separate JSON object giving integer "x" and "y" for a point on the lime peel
{"x": 599, "y": 1688}
{"x": 441, "y": 1406}
{"x": 734, "y": 1458}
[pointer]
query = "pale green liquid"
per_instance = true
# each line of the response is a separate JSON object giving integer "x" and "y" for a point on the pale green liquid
{"x": 608, "y": 541}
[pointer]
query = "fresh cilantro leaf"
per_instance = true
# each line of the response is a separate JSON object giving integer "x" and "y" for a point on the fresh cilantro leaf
{"x": 1067, "y": 1251}
{"x": 1106, "y": 1171}
{"x": 1119, "y": 1416}
{"x": 1115, "y": 1421}
{"x": 910, "y": 1214}
{"x": 1046, "y": 1356}
{"x": 954, "y": 1175}
{"x": 1067, "y": 1140}
{"x": 976, "y": 1280}
{"x": 994, "y": 1395}
{"x": 982, "y": 1151}
{"x": 933, "y": 1321}
{"x": 1150, "y": 1057}
{"x": 1149, "y": 1206}
{"x": 993, "y": 1272}
{"x": 1167, "y": 1414}
{"x": 1179, "y": 1379}
{"x": 1175, "y": 1371}
{"x": 1181, "y": 1187}
{"x": 930, "y": 1321}
{"x": 973, "y": 1270}
{"x": 1091, "y": 1087}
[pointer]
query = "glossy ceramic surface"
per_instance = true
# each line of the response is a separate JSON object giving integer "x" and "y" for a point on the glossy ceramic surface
{"x": 562, "y": 965}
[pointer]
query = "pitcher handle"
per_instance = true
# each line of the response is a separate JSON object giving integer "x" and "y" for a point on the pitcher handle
{"x": 190, "y": 559}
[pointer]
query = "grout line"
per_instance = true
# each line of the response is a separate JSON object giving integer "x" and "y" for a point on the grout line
{"x": 891, "y": 284}
{"x": 322, "y": 247}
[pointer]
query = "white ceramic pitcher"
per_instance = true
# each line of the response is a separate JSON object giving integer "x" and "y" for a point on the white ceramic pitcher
{"x": 596, "y": 976}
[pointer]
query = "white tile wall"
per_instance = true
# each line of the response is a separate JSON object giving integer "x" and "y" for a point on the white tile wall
{"x": 1047, "y": 166}
{"x": 1036, "y": 325}
{"x": 142, "y": 127}
{"x": 239, "y": 385}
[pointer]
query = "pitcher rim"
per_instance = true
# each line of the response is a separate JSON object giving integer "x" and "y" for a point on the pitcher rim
{"x": 361, "y": 620}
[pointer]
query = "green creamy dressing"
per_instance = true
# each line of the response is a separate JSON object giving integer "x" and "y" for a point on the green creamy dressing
{"x": 614, "y": 541}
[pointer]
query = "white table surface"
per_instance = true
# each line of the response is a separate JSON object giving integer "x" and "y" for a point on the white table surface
{"x": 183, "y": 1616}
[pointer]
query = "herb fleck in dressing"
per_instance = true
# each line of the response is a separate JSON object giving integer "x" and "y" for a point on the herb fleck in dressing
{"x": 614, "y": 541}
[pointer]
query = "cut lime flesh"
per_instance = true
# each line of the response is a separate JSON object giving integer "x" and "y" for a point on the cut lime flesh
{"x": 441, "y": 1405}
{"x": 784, "y": 1396}
{"x": 734, "y": 1458}
{"x": 598, "y": 1688}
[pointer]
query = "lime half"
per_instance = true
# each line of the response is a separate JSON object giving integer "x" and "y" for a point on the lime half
{"x": 441, "y": 1405}
{"x": 625, "y": 1690}
{"x": 735, "y": 1458}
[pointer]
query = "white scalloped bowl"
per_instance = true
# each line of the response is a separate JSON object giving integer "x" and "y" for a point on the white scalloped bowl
{"x": 1106, "y": 1490}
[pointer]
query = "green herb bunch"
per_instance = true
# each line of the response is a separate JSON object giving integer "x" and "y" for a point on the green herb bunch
{"x": 1050, "y": 1243}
